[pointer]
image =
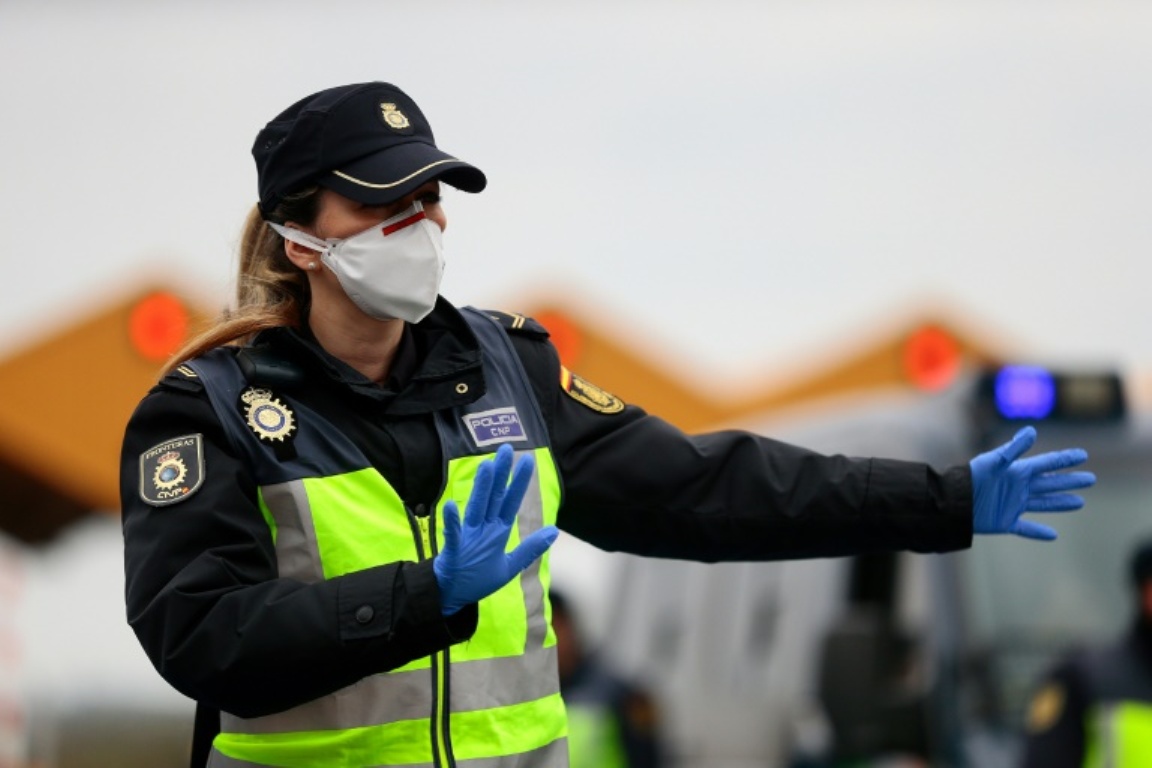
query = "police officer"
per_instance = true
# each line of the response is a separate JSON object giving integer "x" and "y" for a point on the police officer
{"x": 613, "y": 722}
{"x": 1095, "y": 706}
{"x": 296, "y": 560}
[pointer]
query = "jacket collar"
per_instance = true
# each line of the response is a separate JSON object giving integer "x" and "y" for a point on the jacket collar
{"x": 437, "y": 366}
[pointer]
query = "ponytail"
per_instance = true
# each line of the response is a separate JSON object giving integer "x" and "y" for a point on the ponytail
{"x": 270, "y": 290}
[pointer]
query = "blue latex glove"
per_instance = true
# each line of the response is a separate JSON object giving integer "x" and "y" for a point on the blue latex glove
{"x": 473, "y": 563}
{"x": 1004, "y": 486}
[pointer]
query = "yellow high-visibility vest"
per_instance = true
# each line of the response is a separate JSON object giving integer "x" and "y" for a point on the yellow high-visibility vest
{"x": 490, "y": 702}
{"x": 1119, "y": 735}
{"x": 595, "y": 739}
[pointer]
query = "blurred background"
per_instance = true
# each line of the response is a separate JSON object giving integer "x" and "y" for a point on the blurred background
{"x": 834, "y": 222}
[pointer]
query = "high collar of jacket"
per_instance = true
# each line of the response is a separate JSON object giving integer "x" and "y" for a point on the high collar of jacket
{"x": 437, "y": 366}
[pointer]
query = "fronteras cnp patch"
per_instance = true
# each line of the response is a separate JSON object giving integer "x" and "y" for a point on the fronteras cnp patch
{"x": 172, "y": 471}
{"x": 499, "y": 425}
{"x": 587, "y": 393}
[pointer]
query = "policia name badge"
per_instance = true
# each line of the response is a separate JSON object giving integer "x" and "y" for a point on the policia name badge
{"x": 269, "y": 418}
{"x": 587, "y": 393}
{"x": 172, "y": 471}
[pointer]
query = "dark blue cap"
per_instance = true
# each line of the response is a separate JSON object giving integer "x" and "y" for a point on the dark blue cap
{"x": 367, "y": 141}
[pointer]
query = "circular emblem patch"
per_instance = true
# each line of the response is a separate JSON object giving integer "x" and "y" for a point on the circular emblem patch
{"x": 170, "y": 471}
{"x": 393, "y": 117}
{"x": 269, "y": 418}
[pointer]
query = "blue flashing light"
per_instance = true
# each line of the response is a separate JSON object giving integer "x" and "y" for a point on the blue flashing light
{"x": 1025, "y": 392}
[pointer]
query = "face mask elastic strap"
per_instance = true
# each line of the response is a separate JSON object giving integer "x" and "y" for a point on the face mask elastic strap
{"x": 300, "y": 238}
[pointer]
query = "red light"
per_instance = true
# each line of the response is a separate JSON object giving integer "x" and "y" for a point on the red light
{"x": 158, "y": 326}
{"x": 565, "y": 336}
{"x": 931, "y": 358}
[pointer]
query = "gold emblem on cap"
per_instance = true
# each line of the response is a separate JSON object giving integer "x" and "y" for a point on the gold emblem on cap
{"x": 393, "y": 117}
{"x": 269, "y": 418}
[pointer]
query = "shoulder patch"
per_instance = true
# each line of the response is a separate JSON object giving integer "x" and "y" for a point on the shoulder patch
{"x": 588, "y": 394}
{"x": 514, "y": 323}
{"x": 172, "y": 471}
{"x": 1045, "y": 708}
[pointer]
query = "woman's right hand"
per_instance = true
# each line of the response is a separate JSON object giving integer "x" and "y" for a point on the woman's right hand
{"x": 473, "y": 563}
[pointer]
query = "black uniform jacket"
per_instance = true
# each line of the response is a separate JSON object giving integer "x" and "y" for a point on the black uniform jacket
{"x": 202, "y": 590}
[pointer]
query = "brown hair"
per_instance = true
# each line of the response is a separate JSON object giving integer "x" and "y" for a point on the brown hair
{"x": 270, "y": 290}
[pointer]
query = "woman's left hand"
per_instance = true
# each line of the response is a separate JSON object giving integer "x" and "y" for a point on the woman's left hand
{"x": 1005, "y": 486}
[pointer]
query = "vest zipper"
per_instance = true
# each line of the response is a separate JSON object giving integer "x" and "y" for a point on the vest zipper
{"x": 441, "y": 743}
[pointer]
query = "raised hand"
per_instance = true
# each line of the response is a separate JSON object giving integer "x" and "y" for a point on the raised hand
{"x": 1005, "y": 486}
{"x": 473, "y": 563}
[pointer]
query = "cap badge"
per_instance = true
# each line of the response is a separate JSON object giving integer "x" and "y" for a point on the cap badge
{"x": 269, "y": 418}
{"x": 171, "y": 471}
{"x": 393, "y": 117}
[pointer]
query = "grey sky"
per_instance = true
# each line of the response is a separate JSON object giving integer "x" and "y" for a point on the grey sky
{"x": 748, "y": 186}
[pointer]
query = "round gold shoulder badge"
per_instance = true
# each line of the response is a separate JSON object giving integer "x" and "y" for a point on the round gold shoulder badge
{"x": 269, "y": 418}
{"x": 587, "y": 393}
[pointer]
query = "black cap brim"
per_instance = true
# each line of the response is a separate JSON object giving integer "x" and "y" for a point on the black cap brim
{"x": 389, "y": 175}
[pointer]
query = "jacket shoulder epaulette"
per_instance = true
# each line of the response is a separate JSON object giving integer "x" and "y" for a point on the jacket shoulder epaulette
{"x": 182, "y": 378}
{"x": 518, "y": 324}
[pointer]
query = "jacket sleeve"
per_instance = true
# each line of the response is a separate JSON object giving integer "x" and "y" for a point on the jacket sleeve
{"x": 635, "y": 483}
{"x": 205, "y": 601}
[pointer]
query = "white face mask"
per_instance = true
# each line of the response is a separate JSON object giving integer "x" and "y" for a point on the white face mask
{"x": 391, "y": 270}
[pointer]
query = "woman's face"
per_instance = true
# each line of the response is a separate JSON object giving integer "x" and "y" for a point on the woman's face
{"x": 342, "y": 217}
{"x": 339, "y": 218}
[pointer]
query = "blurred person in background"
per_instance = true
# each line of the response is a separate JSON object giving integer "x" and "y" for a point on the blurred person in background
{"x": 1094, "y": 708}
{"x": 295, "y": 557}
{"x": 613, "y": 722}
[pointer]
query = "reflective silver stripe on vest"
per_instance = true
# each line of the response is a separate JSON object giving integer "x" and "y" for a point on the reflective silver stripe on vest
{"x": 502, "y": 682}
{"x": 395, "y": 696}
{"x": 554, "y": 755}
{"x": 297, "y": 554}
{"x": 1109, "y": 736}
{"x": 531, "y": 518}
